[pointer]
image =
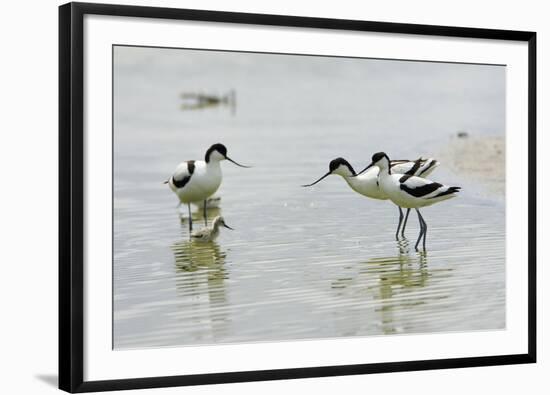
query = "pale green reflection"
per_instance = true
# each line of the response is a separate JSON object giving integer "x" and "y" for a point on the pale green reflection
{"x": 200, "y": 283}
{"x": 397, "y": 276}
{"x": 391, "y": 281}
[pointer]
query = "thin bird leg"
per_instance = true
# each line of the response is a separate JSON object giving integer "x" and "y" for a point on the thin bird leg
{"x": 399, "y": 224}
{"x": 425, "y": 231}
{"x": 405, "y": 222}
{"x": 421, "y": 222}
{"x": 190, "y": 218}
{"x": 205, "y": 216}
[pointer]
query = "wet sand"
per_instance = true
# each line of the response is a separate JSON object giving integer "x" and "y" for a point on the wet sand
{"x": 479, "y": 158}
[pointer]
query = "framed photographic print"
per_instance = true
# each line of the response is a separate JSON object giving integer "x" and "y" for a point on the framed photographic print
{"x": 258, "y": 197}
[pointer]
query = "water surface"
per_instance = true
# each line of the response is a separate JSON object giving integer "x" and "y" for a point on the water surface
{"x": 302, "y": 263}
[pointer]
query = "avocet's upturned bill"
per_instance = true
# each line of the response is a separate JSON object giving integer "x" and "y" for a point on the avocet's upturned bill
{"x": 196, "y": 180}
{"x": 210, "y": 233}
{"x": 409, "y": 191}
{"x": 366, "y": 184}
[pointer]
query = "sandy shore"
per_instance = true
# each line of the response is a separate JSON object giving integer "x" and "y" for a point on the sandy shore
{"x": 479, "y": 158}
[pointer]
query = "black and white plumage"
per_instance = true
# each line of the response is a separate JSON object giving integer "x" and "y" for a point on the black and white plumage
{"x": 197, "y": 180}
{"x": 367, "y": 184}
{"x": 409, "y": 191}
{"x": 420, "y": 167}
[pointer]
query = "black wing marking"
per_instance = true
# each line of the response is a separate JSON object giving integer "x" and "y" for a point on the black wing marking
{"x": 181, "y": 182}
{"x": 449, "y": 191}
{"x": 432, "y": 164}
{"x": 411, "y": 171}
{"x": 191, "y": 166}
{"x": 422, "y": 190}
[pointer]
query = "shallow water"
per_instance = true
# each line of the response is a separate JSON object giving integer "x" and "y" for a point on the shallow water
{"x": 301, "y": 263}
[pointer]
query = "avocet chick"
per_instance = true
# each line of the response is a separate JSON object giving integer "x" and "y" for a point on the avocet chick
{"x": 211, "y": 232}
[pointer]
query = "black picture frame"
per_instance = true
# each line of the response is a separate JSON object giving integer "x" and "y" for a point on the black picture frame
{"x": 71, "y": 203}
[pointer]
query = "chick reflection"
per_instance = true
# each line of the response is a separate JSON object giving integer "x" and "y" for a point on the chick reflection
{"x": 201, "y": 283}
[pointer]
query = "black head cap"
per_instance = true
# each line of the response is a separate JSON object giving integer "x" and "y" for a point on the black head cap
{"x": 216, "y": 147}
{"x": 335, "y": 163}
{"x": 379, "y": 155}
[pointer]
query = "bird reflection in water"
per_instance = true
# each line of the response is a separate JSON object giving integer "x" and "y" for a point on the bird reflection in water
{"x": 398, "y": 277}
{"x": 390, "y": 281}
{"x": 200, "y": 282}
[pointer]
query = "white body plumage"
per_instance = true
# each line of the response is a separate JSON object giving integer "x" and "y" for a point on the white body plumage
{"x": 400, "y": 189}
{"x": 407, "y": 190}
{"x": 203, "y": 181}
{"x": 367, "y": 183}
{"x": 196, "y": 180}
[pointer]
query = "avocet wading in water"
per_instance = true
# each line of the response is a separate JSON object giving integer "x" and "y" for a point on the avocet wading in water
{"x": 210, "y": 233}
{"x": 196, "y": 180}
{"x": 409, "y": 191}
{"x": 367, "y": 184}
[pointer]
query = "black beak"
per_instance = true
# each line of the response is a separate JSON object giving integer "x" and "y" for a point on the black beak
{"x": 232, "y": 161}
{"x": 326, "y": 175}
{"x": 228, "y": 227}
{"x": 364, "y": 170}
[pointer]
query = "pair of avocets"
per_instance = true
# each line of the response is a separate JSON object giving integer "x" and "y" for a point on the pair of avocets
{"x": 401, "y": 181}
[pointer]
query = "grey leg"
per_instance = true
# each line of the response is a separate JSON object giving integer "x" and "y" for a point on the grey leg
{"x": 205, "y": 216}
{"x": 425, "y": 233}
{"x": 399, "y": 224}
{"x": 423, "y": 230}
{"x": 405, "y": 222}
{"x": 190, "y": 217}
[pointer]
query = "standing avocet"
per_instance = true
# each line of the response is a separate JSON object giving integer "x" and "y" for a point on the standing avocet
{"x": 409, "y": 191}
{"x": 196, "y": 180}
{"x": 210, "y": 233}
{"x": 367, "y": 184}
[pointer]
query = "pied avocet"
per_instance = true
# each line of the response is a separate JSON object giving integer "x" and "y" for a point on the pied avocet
{"x": 196, "y": 180}
{"x": 409, "y": 191}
